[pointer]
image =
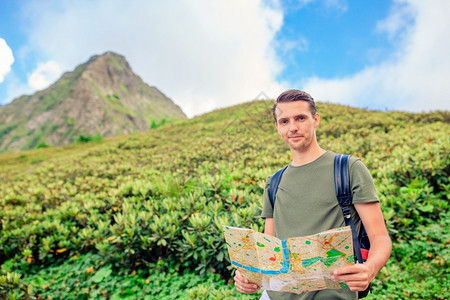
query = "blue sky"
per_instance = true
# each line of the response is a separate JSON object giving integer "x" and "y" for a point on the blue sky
{"x": 388, "y": 55}
{"x": 340, "y": 38}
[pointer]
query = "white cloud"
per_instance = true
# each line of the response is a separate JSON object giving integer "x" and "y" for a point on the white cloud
{"x": 6, "y": 59}
{"x": 301, "y": 3}
{"x": 414, "y": 78}
{"x": 299, "y": 44}
{"x": 337, "y": 6}
{"x": 202, "y": 54}
{"x": 399, "y": 19}
{"x": 44, "y": 75}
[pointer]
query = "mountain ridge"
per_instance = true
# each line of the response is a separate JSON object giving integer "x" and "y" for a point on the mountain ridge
{"x": 101, "y": 96}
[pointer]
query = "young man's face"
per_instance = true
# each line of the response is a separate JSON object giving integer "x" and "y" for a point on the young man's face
{"x": 296, "y": 124}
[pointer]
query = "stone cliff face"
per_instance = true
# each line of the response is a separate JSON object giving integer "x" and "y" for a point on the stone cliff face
{"x": 102, "y": 96}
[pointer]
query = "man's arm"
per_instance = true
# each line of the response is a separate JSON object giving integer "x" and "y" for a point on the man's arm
{"x": 242, "y": 284}
{"x": 359, "y": 276}
{"x": 269, "y": 227}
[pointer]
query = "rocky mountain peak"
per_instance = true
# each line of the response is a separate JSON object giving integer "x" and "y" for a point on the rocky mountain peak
{"x": 101, "y": 96}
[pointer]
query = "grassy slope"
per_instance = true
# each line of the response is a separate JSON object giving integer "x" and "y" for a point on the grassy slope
{"x": 210, "y": 170}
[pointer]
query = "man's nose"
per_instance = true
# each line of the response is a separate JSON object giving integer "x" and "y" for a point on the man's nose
{"x": 293, "y": 126}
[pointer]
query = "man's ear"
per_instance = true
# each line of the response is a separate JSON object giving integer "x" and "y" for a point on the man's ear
{"x": 276, "y": 126}
{"x": 316, "y": 120}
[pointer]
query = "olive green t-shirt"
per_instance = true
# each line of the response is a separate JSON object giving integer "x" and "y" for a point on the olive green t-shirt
{"x": 306, "y": 204}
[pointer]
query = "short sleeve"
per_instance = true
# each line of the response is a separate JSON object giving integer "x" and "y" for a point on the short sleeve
{"x": 267, "y": 211}
{"x": 363, "y": 187}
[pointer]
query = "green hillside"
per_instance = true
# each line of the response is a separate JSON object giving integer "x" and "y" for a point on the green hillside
{"x": 141, "y": 215}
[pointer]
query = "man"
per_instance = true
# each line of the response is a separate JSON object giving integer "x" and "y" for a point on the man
{"x": 306, "y": 201}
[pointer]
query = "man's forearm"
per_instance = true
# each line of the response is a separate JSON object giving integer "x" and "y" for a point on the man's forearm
{"x": 269, "y": 227}
{"x": 380, "y": 251}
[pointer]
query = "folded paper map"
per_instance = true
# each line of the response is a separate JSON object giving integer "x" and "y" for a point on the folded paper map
{"x": 294, "y": 265}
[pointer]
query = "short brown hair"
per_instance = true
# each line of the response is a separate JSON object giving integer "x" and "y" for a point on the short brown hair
{"x": 295, "y": 95}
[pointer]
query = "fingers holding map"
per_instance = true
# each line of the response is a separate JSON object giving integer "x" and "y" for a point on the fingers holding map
{"x": 294, "y": 265}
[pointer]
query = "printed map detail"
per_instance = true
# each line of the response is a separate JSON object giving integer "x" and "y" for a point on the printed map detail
{"x": 294, "y": 265}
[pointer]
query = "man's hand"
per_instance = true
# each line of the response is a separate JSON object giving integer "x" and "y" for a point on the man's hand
{"x": 357, "y": 277}
{"x": 243, "y": 285}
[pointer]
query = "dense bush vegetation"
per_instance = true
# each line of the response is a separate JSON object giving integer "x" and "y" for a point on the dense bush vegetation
{"x": 117, "y": 215}
{"x": 86, "y": 138}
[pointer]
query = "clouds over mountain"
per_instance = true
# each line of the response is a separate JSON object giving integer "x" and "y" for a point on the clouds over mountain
{"x": 44, "y": 75}
{"x": 204, "y": 54}
{"x": 208, "y": 54}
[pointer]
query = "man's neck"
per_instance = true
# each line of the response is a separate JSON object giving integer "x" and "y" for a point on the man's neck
{"x": 300, "y": 158}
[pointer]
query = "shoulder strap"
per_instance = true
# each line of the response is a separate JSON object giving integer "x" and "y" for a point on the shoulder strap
{"x": 342, "y": 180}
{"x": 273, "y": 186}
{"x": 344, "y": 196}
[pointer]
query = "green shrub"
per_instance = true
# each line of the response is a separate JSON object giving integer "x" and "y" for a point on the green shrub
{"x": 89, "y": 277}
{"x": 42, "y": 144}
{"x": 86, "y": 138}
{"x": 156, "y": 124}
{"x": 12, "y": 288}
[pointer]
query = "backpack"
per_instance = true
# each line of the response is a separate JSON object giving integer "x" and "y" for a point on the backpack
{"x": 361, "y": 244}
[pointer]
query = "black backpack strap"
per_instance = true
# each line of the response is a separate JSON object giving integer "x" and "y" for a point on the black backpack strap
{"x": 344, "y": 196}
{"x": 273, "y": 186}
